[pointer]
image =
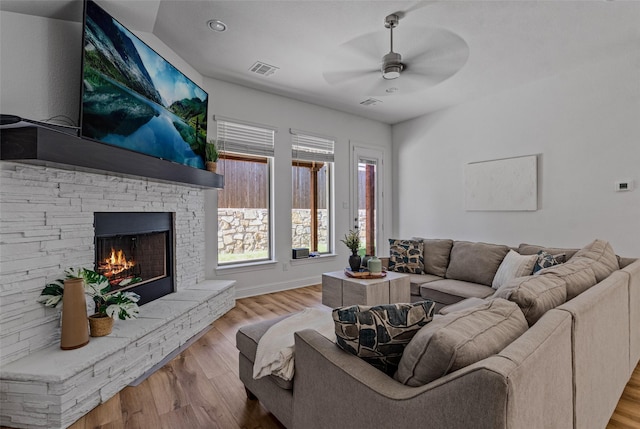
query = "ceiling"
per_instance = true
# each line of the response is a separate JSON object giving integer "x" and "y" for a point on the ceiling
{"x": 510, "y": 43}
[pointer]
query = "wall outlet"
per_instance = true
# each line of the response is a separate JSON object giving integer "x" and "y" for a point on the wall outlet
{"x": 624, "y": 185}
{"x": 285, "y": 266}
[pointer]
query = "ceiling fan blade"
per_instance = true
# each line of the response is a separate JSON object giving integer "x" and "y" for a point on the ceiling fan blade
{"x": 355, "y": 58}
{"x": 369, "y": 47}
{"x": 346, "y": 76}
{"x": 436, "y": 45}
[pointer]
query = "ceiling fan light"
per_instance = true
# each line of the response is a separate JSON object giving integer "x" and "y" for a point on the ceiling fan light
{"x": 392, "y": 65}
{"x": 391, "y": 72}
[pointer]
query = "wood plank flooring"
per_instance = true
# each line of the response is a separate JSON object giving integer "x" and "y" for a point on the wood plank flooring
{"x": 200, "y": 387}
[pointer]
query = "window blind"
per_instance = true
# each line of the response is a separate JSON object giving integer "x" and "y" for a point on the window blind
{"x": 308, "y": 147}
{"x": 245, "y": 138}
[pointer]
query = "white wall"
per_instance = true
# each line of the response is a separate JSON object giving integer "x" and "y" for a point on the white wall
{"x": 238, "y": 102}
{"x": 585, "y": 126}
{"x": 40, "y": 66}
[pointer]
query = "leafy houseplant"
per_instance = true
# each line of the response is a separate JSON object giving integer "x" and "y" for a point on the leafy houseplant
{"x": 108, "y": 305}
{"x": 352, "y": 240}
{"x": 211, "y": 155}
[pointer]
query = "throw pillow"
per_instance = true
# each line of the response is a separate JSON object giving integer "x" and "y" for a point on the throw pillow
{"x": 475, "y": 262}
{"x": 599, "y": 255}
{"x": 460, "y": 339}
{"x": 546, "y": 260}
{"x": 577, "y": 274}
{"x": 512, "y": 266}
{"x": 535, "y": 295}
{"x": 532, "y": 249}
{"x": 405, "y": 256}
{"x": 379, "y": 334}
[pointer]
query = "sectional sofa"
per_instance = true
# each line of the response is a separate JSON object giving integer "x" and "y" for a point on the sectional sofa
{"x": 577, "y": 350}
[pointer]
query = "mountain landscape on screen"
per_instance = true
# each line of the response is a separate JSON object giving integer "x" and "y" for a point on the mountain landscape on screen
{"x": 133, "y": 98}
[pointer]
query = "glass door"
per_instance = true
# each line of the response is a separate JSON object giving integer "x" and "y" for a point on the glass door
{"x": 367, "y": 195}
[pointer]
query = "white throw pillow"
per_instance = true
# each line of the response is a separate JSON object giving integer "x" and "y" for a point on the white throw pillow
{"x": 513, "y": 265}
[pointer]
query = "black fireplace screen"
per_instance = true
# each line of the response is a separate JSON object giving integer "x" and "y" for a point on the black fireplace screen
{"x": 137, "y": 258}
{"x": 135, "y": 252}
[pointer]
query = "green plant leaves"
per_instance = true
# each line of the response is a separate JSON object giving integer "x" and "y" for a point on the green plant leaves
{"x": 52, "y": 294}
{"x": 119, "y": 304}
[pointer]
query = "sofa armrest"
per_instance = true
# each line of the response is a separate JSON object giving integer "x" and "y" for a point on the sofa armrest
{"x": 336, "y": 389}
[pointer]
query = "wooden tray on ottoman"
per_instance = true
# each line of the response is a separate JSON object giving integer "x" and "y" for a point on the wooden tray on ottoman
{"x": 365, "y": 275}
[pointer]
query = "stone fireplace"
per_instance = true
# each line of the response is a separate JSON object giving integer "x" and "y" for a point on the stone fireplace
{"x": 48, "y": 217}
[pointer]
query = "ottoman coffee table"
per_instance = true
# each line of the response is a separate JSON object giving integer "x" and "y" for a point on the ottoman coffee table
{"x": 339, "y": 290}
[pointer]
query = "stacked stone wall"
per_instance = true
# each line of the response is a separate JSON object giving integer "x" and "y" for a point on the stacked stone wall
{"x": 246, "y": 230}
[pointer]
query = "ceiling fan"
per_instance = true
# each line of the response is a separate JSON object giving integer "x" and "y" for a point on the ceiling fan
{"x": 431, "y": 55}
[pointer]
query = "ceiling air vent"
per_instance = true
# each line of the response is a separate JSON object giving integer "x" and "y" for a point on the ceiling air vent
{"x": 263, "y": 69}
{"x": 370, "y": 102}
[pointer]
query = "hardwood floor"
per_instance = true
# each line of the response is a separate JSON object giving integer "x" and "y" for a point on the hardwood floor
{"x": 627, "y": 413}
{"x": 200, "y": 387}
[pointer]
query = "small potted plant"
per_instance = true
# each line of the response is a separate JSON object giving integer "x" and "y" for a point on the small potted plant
{"x": 352, "y": 241}
{"x": 211, "y": 156}
{"x": 108, "y": 305}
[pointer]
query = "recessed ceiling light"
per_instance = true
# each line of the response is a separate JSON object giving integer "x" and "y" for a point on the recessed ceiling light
{"x": 217, "y": 25}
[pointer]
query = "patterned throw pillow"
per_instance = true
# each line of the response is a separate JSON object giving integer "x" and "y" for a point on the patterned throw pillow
{"x": 379, "y": 334}
{"x": 405, "y": 256}
{"x": 546, "y": 260}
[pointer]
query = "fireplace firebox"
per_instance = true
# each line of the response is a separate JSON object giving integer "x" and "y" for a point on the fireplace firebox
{"x": 134, "y": 250}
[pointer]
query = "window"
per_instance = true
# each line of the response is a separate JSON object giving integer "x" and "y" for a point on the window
{"x": 312, "y": 163}
{"x": 244, "y": 205}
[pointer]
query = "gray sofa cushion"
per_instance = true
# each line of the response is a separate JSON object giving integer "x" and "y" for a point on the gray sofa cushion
{"x": 577, "y": 275}
{"x": 247, "y": 339}
{"x": 535, "y": 295}
{"x": 599, "y": 255}
{"x": 416, "y": 280}
{"x": 448, "y": 291}
{"x": 532, "y": 249}
{"x": 436, "y": 255}
{"x": 475, "y": 262}
{"x": 459, "y": 339}
{"x": 462, "y": 305}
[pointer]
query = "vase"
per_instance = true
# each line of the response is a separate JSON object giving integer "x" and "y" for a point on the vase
{"x": 211, "y": 166}
{"x": 374, "y": 265}
{"x": 354, "y": 262}
{"x": 75, "y": 331}
{"x": 365, "y": 261}
{"x": 100, "y": 325}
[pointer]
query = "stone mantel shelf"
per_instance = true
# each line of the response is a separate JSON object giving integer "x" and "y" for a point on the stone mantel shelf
{"x": 40, "y": 145}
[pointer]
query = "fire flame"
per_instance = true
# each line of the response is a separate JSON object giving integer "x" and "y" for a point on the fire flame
{"x": 115, "y": 264}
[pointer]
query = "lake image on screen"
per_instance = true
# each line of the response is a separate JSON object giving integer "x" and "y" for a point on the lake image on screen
{"x": 134, "y": 99}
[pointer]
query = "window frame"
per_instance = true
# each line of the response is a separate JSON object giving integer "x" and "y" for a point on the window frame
{"x": 235, "y": 148}
{"x": 309, "y": 148}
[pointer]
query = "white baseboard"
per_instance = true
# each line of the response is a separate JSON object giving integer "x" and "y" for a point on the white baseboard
{"x": 262, "y": 289}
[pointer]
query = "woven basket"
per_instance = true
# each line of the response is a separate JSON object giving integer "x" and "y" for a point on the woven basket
{"x": 100, "y": 325}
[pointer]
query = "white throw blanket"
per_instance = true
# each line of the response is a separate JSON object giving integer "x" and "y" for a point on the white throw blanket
{"x": 274, "y": 355}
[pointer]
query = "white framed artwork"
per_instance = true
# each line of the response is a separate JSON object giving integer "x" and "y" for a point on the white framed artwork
{"x": 509, "y": 184}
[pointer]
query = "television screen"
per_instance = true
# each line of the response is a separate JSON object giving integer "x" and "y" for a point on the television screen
{"x": 133, "y": 98}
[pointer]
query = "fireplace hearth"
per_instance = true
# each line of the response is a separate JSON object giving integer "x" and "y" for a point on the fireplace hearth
{"x": 134, "y": 250}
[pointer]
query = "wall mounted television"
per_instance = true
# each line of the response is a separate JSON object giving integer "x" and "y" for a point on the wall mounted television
{"x": 135, "y": 99}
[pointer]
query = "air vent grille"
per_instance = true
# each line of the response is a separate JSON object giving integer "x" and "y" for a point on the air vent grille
{"x": 370, "y": 102}
{"x": 263, "y": 69}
